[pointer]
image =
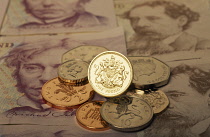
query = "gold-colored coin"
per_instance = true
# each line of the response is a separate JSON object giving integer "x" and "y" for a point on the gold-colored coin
{"x": 156, "y": 99}
{"x": 62, "y": 96}
{"x": 149, "y": 71}
{"x": 85, "y": 53}
{"x": 110, "y": 73}
{"x": 88, "y": 116}
{"x": 73, "y": 72}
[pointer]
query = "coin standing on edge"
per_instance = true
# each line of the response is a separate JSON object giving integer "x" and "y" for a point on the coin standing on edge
{"x": 126, "y": 113}
{"x": 85, "y": 53}
{"x": 149, "y": 71}
{"x": 88, "y": 116}
{"x": 110, "y": 73}
{"x": 61, "y": 96}
{"x": 73, "y": 72}
{"x": 156, "y": 99}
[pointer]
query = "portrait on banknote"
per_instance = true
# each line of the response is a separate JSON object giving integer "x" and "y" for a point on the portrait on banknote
{"x": 31, "y": 62}
{"x": 188, "y": 113}
{"x": 162, "y": 27}
{"x": 34, "y": 60}
{"x": 43, "y": 16}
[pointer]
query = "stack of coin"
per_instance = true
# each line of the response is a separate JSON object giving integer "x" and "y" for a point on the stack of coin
{"x": 110, "y": 74}
{"x": 71, "y": 88}
{"x": 129, "y": 84}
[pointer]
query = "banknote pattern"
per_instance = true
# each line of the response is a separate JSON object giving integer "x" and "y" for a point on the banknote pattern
{"x": 27, "y": 62}
{"x": 39, "y": 17}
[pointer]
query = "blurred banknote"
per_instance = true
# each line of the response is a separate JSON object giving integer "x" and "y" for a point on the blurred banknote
{"x": 41, "y": 17}
{"x": 165, "y": 29}
{"x": 57, "y": 131}
{"x": 3, "y": 7}
{"x": 27, "y": 62}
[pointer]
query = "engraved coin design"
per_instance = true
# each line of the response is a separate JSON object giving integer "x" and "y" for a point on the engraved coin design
{"x": 156, "y": 99}
{"x": 85, "y": 53}
{"x": 88, "y": 116}
{"x": 148, "y": 71}
{"x": 110, "y": 73}
{"x": 126, "y": 113}
{"x": 74, "y": 71}
{"x": 63, "y": 96}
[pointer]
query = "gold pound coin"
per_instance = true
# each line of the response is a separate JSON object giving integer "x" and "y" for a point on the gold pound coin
{"x": 110, "y": 73}
{"x": 88, "y": 116}
{"x": 149, "y": 71}
{"x": 62, "y": 96}
{"x": 156, "y": 99}
{"x": 85, "y": 53}
{"x": 126, "y": 113}
{"x": 73, "y": 72}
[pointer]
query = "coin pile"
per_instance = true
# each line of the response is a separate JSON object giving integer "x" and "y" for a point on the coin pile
{"x": 129, "y": 84}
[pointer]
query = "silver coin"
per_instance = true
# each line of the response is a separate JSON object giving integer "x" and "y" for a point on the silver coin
{"x": 156, "y": 99}
{"x": 126, "y": 113}
{"x": 149, "y": 71}
{"x": 85, "y": 53}
{"x": 74, "y": 71}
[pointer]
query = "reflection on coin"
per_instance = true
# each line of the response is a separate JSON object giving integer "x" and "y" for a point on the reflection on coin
{"x": 74, "y": 71}
{"x": 126, "y": 113}
{"x": 63, "y": 96}
{"x": 88, "y": 116}
{"x": 85, "y": 53}
{"x": 149, "y": 71}
{"x": 110, "y": 73}
{"x": 156, "y": 99}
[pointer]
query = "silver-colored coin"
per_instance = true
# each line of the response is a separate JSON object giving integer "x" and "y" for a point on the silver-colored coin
{"x": 149, "y": 71}
{"x": 110, "y": 73}
{"x": 74, "y": 71}
{"x": 156, "y": 99}
{"x": 126, "y": 113}
{"x": 85, "y": 53}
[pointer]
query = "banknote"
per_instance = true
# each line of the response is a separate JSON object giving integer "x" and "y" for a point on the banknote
{"x": 27, "y": 58}
{"x": 57, "y": 131}
{"x": 40, "y": 17}
{"x": 164, "y": 29}
{"x": 3, "y": 7}
{"x": 188, "y": 113}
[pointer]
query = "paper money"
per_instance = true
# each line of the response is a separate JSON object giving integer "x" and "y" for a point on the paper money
{"x": 57, "y": 131}
{"x": 40, "y": 17}
{"x": 32, "y": 61}
{"x": 149, "y": 33}
{"x": 3, "y": 7}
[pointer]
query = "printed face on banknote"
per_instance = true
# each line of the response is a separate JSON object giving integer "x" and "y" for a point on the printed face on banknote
{"x": 185, "y": 101}
{"x": 153, "y": 22}
{"x": 35, "y": 72}
{"x": 188, "y": 109}
{"x": 51, "y": 9}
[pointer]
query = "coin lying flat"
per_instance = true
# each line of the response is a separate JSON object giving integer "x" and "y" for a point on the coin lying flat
{"x": 110, "y": 73}
{"x": 149, "y": 71}
{"x": 156, "y": 99}
{"x": 74, "y": 71}
{"x": 88, "y": 116}
{"x": 126, "y": 113}
{"x": 63, "y": 96}
{"x": 85, "y": 53}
